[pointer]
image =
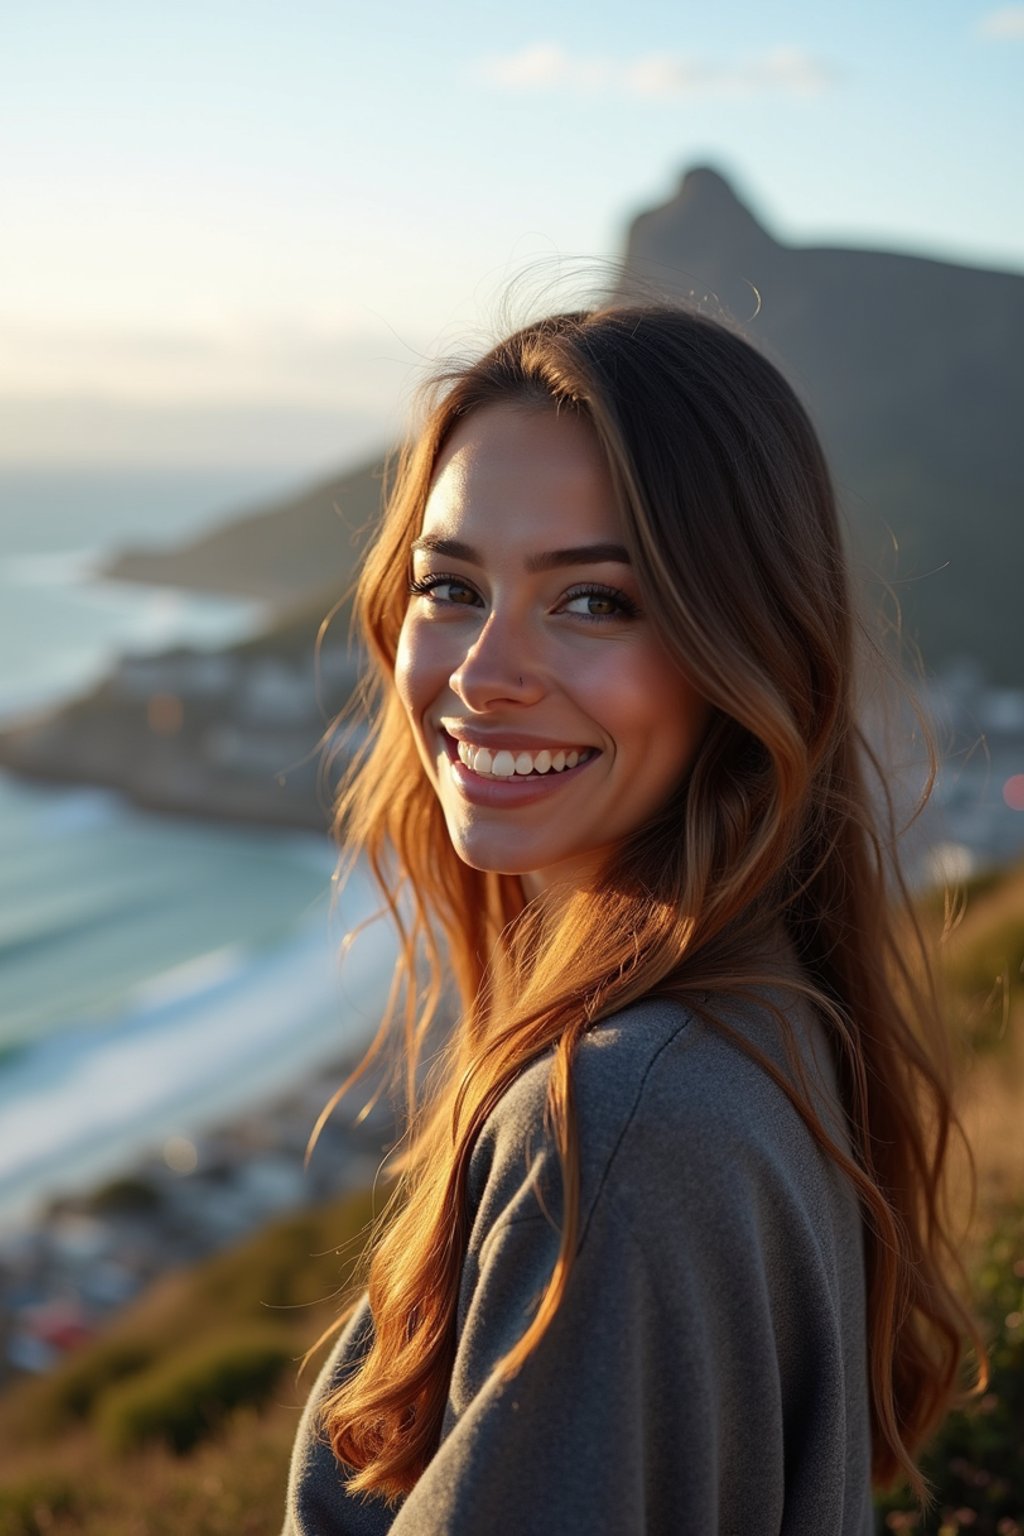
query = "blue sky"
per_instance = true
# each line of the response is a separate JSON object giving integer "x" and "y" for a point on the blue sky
{"x": 234, "y": 231}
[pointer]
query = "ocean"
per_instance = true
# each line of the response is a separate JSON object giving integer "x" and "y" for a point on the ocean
{"x": 155, "y": 973}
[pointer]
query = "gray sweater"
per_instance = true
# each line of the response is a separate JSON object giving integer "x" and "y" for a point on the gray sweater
{"x": 706, "y": 1370}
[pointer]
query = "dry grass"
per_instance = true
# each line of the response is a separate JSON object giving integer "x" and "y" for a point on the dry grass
{"x": 980, "y": 949}
{"x": 230, "y": 1486}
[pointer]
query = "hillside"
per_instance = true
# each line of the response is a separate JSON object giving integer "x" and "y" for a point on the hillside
{"x": 304, "y": 547}
{"x": 914, "y": 373}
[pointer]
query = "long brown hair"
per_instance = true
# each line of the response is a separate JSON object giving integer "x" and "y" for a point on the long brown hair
{"x": 731, "y": 525}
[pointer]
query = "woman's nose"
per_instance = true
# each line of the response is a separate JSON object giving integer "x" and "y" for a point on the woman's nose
{"x": 498, "y": 668}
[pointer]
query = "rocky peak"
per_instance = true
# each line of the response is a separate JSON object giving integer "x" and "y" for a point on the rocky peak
{"x": 706, "y": 200}
{"x": 704, "y": 242}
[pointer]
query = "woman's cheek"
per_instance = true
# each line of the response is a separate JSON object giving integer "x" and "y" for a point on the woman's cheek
{"x": 407, "y": 666}
{"x": 421, "y": 670}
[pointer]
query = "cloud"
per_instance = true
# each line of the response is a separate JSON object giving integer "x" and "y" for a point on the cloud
{"x": 545, "y": 66}
{"x": 1007, "y": 21}
{"x": 657, "y": 76}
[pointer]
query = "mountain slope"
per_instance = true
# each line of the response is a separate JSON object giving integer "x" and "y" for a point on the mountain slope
{"x": 913, "y": 370}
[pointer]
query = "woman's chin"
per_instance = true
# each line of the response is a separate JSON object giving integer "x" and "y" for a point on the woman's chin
{"x": 571, "y": 869}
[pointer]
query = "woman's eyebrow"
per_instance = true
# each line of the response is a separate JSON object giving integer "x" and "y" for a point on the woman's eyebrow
{"x": 547, "y": 560}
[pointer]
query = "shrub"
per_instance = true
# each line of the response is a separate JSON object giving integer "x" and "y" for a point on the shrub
{"x": 72, "y": 1392}
{"x": 286, "y": 1264}
{"x": 28, "y": 1507}
{"x": 183, "y": 1400}
{"x": 976, "y": 1464}
{"x": 129, "y": 1195}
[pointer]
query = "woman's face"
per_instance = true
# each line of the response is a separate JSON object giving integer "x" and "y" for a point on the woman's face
{"x": 549, "y": 717}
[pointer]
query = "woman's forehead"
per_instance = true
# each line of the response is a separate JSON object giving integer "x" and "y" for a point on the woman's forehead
{"x": 510, "y": 469}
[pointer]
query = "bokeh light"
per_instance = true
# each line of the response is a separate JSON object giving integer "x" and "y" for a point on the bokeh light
{"x": 165, "y": 714}
{"x": 1013, "y": 792}
{"x": 180, "y": 1154}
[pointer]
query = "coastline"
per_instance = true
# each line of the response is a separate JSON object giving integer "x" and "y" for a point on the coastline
{"x": 85, "y": 1256}
{"x": 236, "y": 802}
{"x": 215, "y": 737}
{"x": 263, "y": 1036}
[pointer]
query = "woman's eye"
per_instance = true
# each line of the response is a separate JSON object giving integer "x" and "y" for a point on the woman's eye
{"x": 444, "y": 589}
{"x": 597, "y": 604}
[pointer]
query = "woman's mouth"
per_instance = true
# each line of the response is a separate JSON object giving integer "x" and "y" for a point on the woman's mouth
{"x": 505, "y": 762}
{"x": 504, "y": 777}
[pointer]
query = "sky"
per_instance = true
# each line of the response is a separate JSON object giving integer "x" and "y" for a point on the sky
{"x": 237, "y": 232}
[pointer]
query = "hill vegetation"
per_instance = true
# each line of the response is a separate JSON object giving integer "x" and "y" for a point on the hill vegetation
{"x": 181, "y": 1416}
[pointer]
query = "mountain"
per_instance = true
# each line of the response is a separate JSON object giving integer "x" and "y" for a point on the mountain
{"x": 303, "y": 547}
{"x": 913, "y": 370}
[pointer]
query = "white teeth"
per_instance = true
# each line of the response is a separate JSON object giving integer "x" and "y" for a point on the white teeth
{"x": 506, "y": 764}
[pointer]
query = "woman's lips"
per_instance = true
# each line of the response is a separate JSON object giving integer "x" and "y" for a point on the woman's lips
{"x": 516, "y": 790}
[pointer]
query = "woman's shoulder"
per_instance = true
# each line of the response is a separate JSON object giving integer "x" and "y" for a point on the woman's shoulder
{"x": 612, "y": 1062}
{"x": 669, "y": 1097}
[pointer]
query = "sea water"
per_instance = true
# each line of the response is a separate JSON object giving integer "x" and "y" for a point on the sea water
{"x": 154, "y": 972}
{"x": 61, "y": 628}
{"x": 156, "y": 975}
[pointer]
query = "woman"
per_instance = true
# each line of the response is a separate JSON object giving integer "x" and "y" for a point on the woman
{"x": 669, "y": 1255}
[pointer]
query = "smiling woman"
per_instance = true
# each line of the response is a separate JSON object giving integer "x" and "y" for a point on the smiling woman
{"x": 666, "y": 1253}
{"x": 532, "y": 676}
